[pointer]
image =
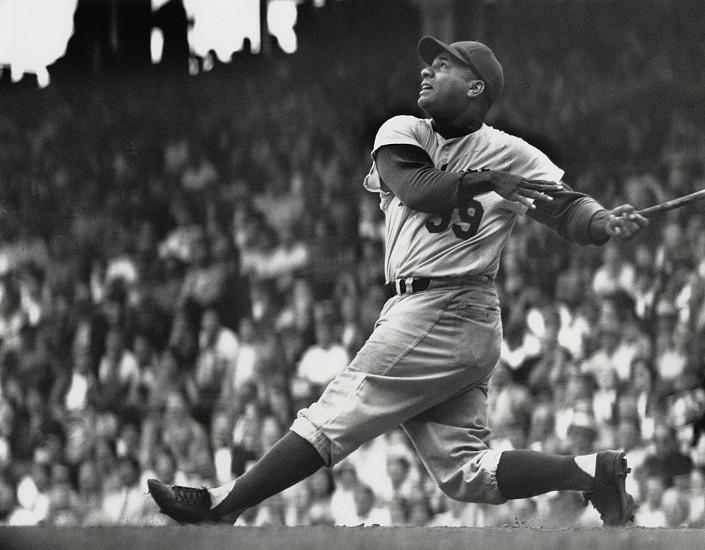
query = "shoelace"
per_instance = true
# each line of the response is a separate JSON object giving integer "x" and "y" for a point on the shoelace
{"x": 192, "y": 496}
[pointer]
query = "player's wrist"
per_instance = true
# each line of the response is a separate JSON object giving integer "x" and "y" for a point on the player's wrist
{"x": 471, "y": 184}
{"x": 599, "y": 229}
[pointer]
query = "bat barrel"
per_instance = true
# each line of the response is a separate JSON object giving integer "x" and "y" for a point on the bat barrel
{"x": 675, "y": 203}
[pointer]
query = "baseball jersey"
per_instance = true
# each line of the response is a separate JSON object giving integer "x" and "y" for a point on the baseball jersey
{"x": 465, "y": 241}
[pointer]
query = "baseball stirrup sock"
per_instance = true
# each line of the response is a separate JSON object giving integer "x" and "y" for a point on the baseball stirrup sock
{"x": 292, "y": 459}
{"x": 524, "y": 474}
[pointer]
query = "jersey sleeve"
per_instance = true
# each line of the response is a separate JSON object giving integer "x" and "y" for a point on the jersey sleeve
{"x": 530, "y": 162}
{"x": 401, "y": 130}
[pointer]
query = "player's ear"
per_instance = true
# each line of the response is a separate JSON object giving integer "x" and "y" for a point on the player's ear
{"x": 475, "y": 88}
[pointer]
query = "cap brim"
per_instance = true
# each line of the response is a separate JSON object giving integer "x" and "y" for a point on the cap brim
{"x": 430, "y": 47}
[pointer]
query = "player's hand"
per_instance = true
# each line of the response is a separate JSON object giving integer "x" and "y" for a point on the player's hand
{"x": 525, "y": 191}
{"x": 624, "y": 222}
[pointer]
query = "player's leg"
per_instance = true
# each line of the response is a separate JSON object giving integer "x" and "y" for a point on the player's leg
{"x": 600, "y": 476}
{"x": 452, "y": 438}
{"x": 290, "y": 460}
{"x": 384, "y": 385}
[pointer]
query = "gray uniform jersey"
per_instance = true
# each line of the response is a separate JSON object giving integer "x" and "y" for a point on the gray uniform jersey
{"x": 465, "y": 241}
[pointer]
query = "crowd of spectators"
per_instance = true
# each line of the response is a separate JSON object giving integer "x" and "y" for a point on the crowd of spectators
{"x": 187, "y": 263}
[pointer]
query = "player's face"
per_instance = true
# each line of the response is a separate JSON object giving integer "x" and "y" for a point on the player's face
{"x": 444, "y": 88}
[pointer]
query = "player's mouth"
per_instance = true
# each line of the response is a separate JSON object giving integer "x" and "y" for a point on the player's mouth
{"x": 425, "y": 87}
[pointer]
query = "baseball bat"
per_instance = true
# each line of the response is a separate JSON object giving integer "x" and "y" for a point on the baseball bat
{"x": 675, "y": 203}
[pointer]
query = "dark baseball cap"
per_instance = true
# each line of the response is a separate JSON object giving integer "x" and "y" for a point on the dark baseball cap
{"x": 475, "y": 55}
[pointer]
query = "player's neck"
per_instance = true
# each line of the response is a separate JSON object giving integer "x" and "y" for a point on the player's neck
{"x": 456, "y": 128}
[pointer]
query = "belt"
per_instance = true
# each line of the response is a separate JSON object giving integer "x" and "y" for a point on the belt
{"x": 412, "y": 285}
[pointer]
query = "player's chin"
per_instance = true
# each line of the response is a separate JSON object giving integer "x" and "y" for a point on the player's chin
{"x": 424, "y": 100}
{"x": 426, "y": 106}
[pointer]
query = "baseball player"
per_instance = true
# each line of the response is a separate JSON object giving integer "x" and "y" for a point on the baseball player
{"x": 451, "y": 188}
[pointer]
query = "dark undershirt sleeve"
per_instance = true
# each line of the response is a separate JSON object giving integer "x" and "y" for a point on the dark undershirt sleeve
{"x": 575, "y": 216}
{"x": 408, "y": 172}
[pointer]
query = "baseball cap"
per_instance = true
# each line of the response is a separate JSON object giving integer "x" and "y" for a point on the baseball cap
{"x": 475, "y": 55}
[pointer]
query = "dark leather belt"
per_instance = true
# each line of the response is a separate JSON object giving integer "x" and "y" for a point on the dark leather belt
{"x": 409, "y": 285}
{"x": 412, "y": 285}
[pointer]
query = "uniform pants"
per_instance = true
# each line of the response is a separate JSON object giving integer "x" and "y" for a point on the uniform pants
{"x": 425, "y": 367}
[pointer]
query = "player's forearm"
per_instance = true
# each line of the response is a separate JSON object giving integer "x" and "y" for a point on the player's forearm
{"x": 575, "y": 216}
{"x": 408, "y": 172}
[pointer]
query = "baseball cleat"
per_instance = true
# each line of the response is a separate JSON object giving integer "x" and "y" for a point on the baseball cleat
{"x": 609, "y": 495}
{"x": 183, "y": 504}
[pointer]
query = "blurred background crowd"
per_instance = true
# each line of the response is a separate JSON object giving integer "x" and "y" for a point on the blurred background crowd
{"x": 185, "y": 263}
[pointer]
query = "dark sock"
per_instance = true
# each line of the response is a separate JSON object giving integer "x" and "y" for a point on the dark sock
{"x": 524, "y": 474}
{"x": 292, "y": 459}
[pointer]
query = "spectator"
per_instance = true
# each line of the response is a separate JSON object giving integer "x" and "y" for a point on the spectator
{"x": 696, "y": 499}
{"x": 118, "y": 375}
{"x": 205, "y": 281}
{"x": 246, "y": 436}
{"x": 576, "y": 396}
{"x": 318, "y": 510}
{"x": 8, "y": 500}
{"x": 367, "y": 510}
{"x": 352, "y": 335}
{"x": 666, "y": 460}
{"x": 64, "y": 506}
{"x": 182, "y": 240}
{"x": 553, "y": 361}
{"x": 370, "y": 267}
{"x": 258, "y": 358}
{"x": 615, "y": 273}
{"x": 161, "y": 381}
{"x": 30, "y": 420}
{"x": 218, "y": 352}
{"x": 125, "y": 503}
{"x": 288, "y": 259}
{"x": 671, "y": 351}
{"x": 277, "y": 400}
{"x": 89, "y": 493}
{"x": 650, "y": 513}
{"x": 200, "y": 467}
{"x": 509, "y": 403}
{"x": 613, "y": 353}
{"x": 32, "y": 497}
{"x": 582, "y": 432}
{"x": 676, "y": 508}
{"x": 179, "y": 429}
{"x": 82, "y": 387}
{"x": 542, "y": 430}
{"x": 643, "y": 394}
{"x": 221, "y": 443}
{"x": 342, "y": 502}
{"x": 183, "y": 340}
{"x": 105, "y": 457}
{"x": 326, "y": 357}
{"x": 605, "y": 398}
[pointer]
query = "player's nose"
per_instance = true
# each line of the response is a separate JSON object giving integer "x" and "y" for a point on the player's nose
{"x": 426, "y": 72}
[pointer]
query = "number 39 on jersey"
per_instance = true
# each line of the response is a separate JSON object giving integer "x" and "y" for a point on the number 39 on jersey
{"x": 464, "y": 222}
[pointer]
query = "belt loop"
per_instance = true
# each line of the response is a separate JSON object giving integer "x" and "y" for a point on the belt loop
{"x": 410, "y": 285}
{"x": 397, "y": 284}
